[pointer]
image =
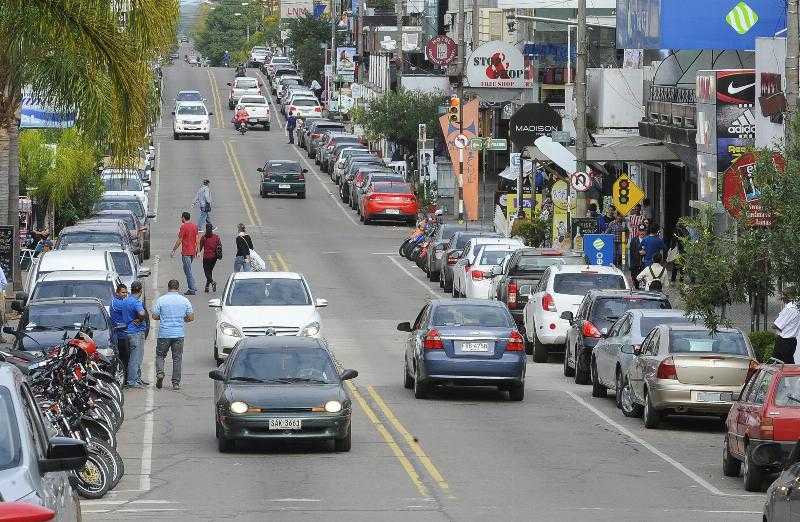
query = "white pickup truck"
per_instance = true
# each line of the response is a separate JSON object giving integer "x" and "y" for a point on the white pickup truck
{"x": 257, "y": 109}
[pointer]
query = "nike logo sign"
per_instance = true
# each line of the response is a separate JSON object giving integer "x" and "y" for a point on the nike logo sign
{"x": 732, "y": 89}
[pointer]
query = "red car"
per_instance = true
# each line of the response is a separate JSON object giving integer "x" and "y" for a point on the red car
{"x": 22, "y": 512}
{"x": 763, "y": 426}
{"x": 390, "y": 201}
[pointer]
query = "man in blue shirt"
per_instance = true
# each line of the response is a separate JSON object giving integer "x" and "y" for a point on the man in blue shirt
{"x": 117, "y": 309}
{"x": 651, "y": 245}
{"x": 135, "y": 319}
{"x": 171, "y": 310}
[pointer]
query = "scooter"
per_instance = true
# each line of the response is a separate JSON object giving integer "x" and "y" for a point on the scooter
{"x": 242, "y": 128}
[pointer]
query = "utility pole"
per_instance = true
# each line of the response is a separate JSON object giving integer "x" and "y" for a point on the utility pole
{"x": 360, "y": 43}
{"x": 791, "y": 66}
{"x": 580, "y": 104}
{"x": 332, "y": 62}
{"x": 476, "y": 35}
{"x": 458, "y": 206}
{"x": 401, "y": 13}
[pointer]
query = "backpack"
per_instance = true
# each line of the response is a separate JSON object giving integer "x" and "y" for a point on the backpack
{"x": 655, "y": 285}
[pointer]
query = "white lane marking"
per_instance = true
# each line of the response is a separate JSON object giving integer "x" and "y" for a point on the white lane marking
{"x": 119, "y": 502}
{"x": 130, "y": 510}
{"x": 412, "y": 276}
{"x": 147, "y": 432}
{"x": 383, "y": 253}
{"x": 666, "y": 458}
{"x": 294, "y": 500}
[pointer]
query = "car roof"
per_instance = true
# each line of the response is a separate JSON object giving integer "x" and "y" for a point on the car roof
{"x": 283, "y": 162}
{"x": 550, "y": 252}
{"x": 67, "y": 300}
{"x": 280, "y": 343}
{"x": 577, "y": 269}
{"x": 266, "y": 275}
{"x": 482, "y": 302}
{"x": 649, "y": 312}
{"x": 112, "y": 211}
{"x": 9, "y": 375}
{"x": 475, "y": 241}
{"x": 79, "y": 275}
{"x": 643, "y": 294}
{"x": 119, "y": 196}
{"x": 697, "y": 327}
{"x": 65, "y": 256}
{"x": 193, "y": 104}
{"x": 99, "y": 226}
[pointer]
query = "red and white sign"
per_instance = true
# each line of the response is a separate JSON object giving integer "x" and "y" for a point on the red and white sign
{"x": 441, "y": 50}
{"x": 739, "y": 191}
{"x": 580, "y": 181}
{"x": 460, "y": 141}
{"x": 497, "y": 65}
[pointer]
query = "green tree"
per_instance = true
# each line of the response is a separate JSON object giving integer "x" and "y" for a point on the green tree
{"x": 308, "y": 37}
{"x": 219, "y": 29}
{"x": 396, "y": 116}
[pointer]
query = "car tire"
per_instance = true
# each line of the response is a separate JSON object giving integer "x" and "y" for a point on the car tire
{"x": 517, "y": 392}
{"x": 217, "y": 359}
{"x": 598, "y": 390}
{"x": 619, "y": 384}
{"x": 343, "y": 445}
{"x": 434, "y": 276}
{"x": 731, "y": 466}
{"x": 147, "y": 250}
{"x": 568, "y": 370}
{"x": 176, "y": 136}
{"x": 650, "y": 415}
{"x": 582, "y": 372}
{"x": 408, "y": 381}
{"x": 627, "y": 405}
{"x": 207, "y": 136}
{"x": 420, "y": 388}
{"x": 753, "y": 475}
{"x": 540, "y": 353}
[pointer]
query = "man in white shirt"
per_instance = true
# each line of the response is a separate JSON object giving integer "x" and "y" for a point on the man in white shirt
{"x": 788, "y": 326}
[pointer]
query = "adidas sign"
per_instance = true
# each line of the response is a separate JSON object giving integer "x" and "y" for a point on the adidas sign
{"x": 744, "y": 124}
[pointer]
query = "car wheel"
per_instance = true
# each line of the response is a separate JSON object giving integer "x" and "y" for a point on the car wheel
{"x": 598, "y": 390}
{"x": 582, "y": 375}
{"x": 627, "y": 404}
{"x": 539, "y": 351}
{"x": 731, "y": 466}
{"x": 344, "y": 444}
{"x": 650, "y": 415}
{"x": 207, "y": 136}
{"x": 420, "y": 388}
{"x": 434, "y": 276}
{"x": 568, "y": 370}
{"x": 408, "y": 381}
{"x": 517, "y": 392}
{"x": 618, "y": 385}
{"x": 217, "y": 358}
{"x": 301, "y": 195}
{"x": 752, "y": 474}
{"x": 175, "y": 136}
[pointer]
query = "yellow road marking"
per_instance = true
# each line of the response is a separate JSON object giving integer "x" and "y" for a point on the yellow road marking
{"x": 415, "y": 447}
{"x": 215, "y": 98}
{"x": 246, "y": 191}
{"x": 282, "y": 262}
{"x": 229, "y": 153}
{"x": 272, "y": 265}
{"x": 387, "y": 437}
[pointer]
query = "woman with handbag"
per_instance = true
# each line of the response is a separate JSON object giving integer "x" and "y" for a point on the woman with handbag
{"x": 243, "y": 247}
{"x": 675, "y": 253}
{"x": 211, "y": 245}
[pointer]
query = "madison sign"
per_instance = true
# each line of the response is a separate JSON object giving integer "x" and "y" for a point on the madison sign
{"x": 497, "y": 65}
{"x": 531, "y": 121}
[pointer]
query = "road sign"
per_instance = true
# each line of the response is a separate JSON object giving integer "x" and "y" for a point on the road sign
{"x": 496, "y": 144}
{"x": 515, "y": 159}
{"x": 460, "y": 141}
{"x": 477, "y": 143}
{"x": 626, "y": 194}
{"x": 580, "y": 181}
{"x": 441, "y": 50}
{"x": 599, "y": 249}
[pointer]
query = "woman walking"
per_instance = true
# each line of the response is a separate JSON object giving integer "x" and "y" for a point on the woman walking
{"x": 243, "y": 246}
{"x": 211, "y": 245}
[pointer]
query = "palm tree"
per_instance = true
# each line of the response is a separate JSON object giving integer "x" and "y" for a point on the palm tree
{"x": 77, "y": 56}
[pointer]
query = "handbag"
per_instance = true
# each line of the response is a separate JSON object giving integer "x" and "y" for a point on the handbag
{"x": 256, "y": 262}
{"x": 672, "y": 254}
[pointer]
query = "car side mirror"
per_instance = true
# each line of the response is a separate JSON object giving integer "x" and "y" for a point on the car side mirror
{"x": 349, "y": 374}
{"x": 144, "y": 271}
{"x": 320, "y": 303}
{"x": 405, "y": 326}
{"x": 568, "y": 316}
{"x": 63, "y": 454}
{"x": 215, "y": 303}
{"x": 216, "y": 375}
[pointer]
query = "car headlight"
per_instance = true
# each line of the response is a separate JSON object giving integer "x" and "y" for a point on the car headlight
{"x": 310, "y": 330}
{"x": 239, "y": 407}
{"x": 333, "y": 406}
{"x": 229, "y": 329}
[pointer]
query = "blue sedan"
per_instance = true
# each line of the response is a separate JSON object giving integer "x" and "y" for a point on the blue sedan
{"x": 464, "y": 342}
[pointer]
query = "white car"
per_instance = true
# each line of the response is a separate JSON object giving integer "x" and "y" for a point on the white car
{"x": 561, "y": 289}
{"x": 68, "y": 260}
{"x": 304, "y": 106}
{"x": 274, "y": 61}
{"x": 126, "y": 184}
{"x": 242, "y": 86}
{"x": 257, "y": 109}
{"x": 258, "y": 55}
{"x": 192, "y": 119}
{"x": 476, "y": 281}
{"x": 188, "y": 97}
{"x": 469, "y": 257}
{"x": 284, "y": 81}
{"x": 264, "y": 303}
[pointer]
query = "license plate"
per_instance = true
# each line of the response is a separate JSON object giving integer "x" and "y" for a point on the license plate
{"x": 285, "y": 424}
{"x": 284, "y": 186}
{"x": 474, "y": 347}
{"x": 392, "y": 211}
{"x": 714, "y": 396}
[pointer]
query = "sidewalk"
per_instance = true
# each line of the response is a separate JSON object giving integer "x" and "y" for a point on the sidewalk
{"x": 739, "y": 313}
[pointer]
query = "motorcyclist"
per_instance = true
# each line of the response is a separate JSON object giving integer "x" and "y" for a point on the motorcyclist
{"x": 241, "y": 117}
{"x": 241, "y": 70}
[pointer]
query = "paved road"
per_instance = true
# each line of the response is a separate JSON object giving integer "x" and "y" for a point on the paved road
{"x": 465, "y": 455}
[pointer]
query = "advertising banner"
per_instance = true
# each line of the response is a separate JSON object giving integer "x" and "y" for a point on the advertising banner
{"x": 531, "y": 121}
{"x": 770, "y": 84}
{"x": 497, "y": 65}
{"x": 35, "y": 114}
{"x": 736, "y": 125}
{"x": 469, "y": 180}
{"x": 739, "y": 191}
{"x": 345, "y": 63}
{"x": 559, "y": 194}
{"x": 599, "y": 249}
{"x": 531, "y": 209}
{"x": 296, "y": 8}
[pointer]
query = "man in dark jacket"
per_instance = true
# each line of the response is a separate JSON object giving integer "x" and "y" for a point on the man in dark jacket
{"x": 635, "y": 260}
{"x": 291, "y": 124}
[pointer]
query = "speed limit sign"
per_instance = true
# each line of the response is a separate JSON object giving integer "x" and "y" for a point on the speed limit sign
{"x": 580, "y": 181}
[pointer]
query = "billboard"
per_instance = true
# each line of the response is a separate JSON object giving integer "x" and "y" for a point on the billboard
{"x": 345, "y": 63}
{"x": 736, "y": 125}
{"x": 296, "y": 8}
{"x": 497, "y": 65}
{"x": 36, "y": 114}
{"x": 770, "y": 84}
{"x": 674, "y": 24}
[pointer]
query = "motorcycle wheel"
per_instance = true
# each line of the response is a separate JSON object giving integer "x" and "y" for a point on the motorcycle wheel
{"x": 102, "y": 432}
{"x": 93, "y": 480}
{"x": 112, "y": 459}
{"x": 402, "y": 249}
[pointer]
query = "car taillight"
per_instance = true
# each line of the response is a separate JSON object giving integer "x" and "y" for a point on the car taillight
{"x": 432, "y": 341}
{"x": 477, "y": 275}
{"x": 766, "y": 429}
{"x": 548, "y": 303}
{"x": 666, "y": 370}
{"x": 589, "y": 330}
{"x": 301, "y": 177}
{"x": 511, "y": 297}
{"x": 515, "y": 342}
{"x": 452, "y": 258}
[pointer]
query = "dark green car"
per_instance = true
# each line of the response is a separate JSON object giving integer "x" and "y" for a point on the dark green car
{"x": 283, "y": 177}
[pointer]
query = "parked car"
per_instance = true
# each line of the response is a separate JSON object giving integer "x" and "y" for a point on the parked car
{"x": 783, "y": 498}
{"x": 242, "y": 86}
{"x": 132, "y": 203}
{"x": 284, "y": 82}
{"x": 98, "y": 284}
{"x": 60, "y": 260}
{"x": 343, "y": 157}
{"x": 613, "y": 355}
{"x": 454, "y": 250}
{"x": 191, "y": 119}
{"x": 269, "y": 68}
{"x": 283, "y": 177}
{"x": 304, "y": 107}
{"x": 373, "y": 174}
{"x": 95, "y": 236}
{"x": 257, "y": 303}
{"x": 471, "y": 271}
{"x": 336, "y": 153}
{"x": 118, "y": 183}
{"x": 257, "y": 109}
{"x": 314, "y": 128}
{"x": 24, "y": 512}
{"x": 356, "y": 176}
{"x": 436, "y": 246}
{"x": 763, "y": 425}
{"x": 128, "y": 268}
{"x": 281, "y": 388}
{"x": 390, "y": 201}
{"x": 687, "y": 369}
{"x": 561, "y": 289}
{"x": 134, "y": 238}
{"x": 258, "y": 55}
{"x": 334, "y": 140}
{"x": 32, "y": 463}
{"x": 131, "y": 220}
{"x": 281, "y": 72}
{"x": 464, "y": 342}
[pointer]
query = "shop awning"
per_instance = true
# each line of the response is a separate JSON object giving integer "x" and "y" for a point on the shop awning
{"x": 635, "y": 148}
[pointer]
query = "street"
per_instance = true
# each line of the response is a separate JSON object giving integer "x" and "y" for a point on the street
{"x": 463, "y": 455}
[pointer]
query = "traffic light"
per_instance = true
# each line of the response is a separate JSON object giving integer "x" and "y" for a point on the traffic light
{"x": 455, "y": 110}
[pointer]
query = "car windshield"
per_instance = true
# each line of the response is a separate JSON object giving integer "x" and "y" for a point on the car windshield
{"x": 288, "y": 166}
{"x": 449, "y": 231}
{"x": 540, "y": 263}
{"x": 291, "y": 365}
{"x": 81, "y": 238}
{"x": 192, "y": 110}
{"x": 99, "y": 289}
{"x": 122, "y": 263}
{"x": 322, "y": 127}
{"x": 189, "y": 96}
{"x": 279, "y": 59}
{"x": 64, "y": 316}
{"x": 470, "y": 315}
{"x": 305, "y": 102}
{"x": 392, "y": 188}
{"x": 128, "y": 183}
{"x": 705, "y": 341}
{"x": 10, "y": 448}
{"x": 787, "y": 394}
{"x": 253, "y": 100}
{"x": 268, "y": 292}
{"x": 246, "y": 83}
{"x": 493, "y": 257}
{"x": 606, "y": 310}
{"x": 377, "y": 178}
{"x": 581, "y": 283}
{"x": 463, "y": 239}
{"x": 648, "y": 323}
{"x": 134, "y": 205}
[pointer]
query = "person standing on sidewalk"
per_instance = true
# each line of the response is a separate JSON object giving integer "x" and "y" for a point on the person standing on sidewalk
{"x": 187, "y": 240}
{"x": 634, "y": 254}
{"x": 117, "y": 312}
{"x": 652, "y": 245}
{"x": 291, "y": 124}
{"x": 172, "y": 311}
{"x": 243, "y": 246}
{"x": 616, "y": 227}
{"x": 203, "y": 203}
{"x": 788, "y": 326}
{"x": 211, "y": 246}
{"x": 135, "y": 319}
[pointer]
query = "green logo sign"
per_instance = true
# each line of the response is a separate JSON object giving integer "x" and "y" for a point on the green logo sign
{"x": 741, "y": 18}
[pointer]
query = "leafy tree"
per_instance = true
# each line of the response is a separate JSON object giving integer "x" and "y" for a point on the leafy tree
{"x": 308, "y": 37}
{"x": 218, "y": 30}
{"x": 396, "y": 116}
